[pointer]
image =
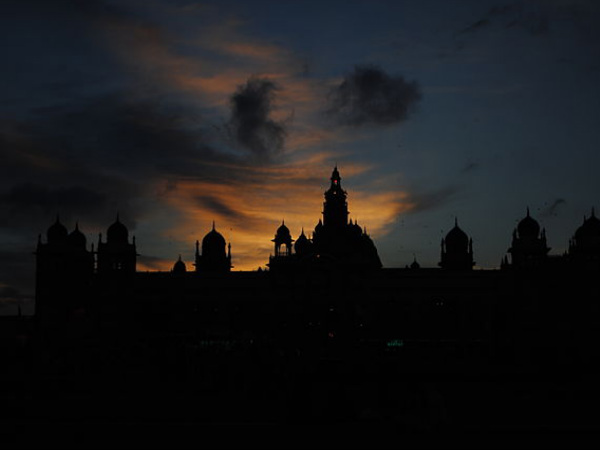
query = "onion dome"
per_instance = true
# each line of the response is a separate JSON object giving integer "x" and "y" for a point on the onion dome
{"x": 117, "y": 232}
{"x": 57, "y": 232}
{"x": 283, "y": 232}
{"x": 590, "y": 228}
{"x": 528, "y": 227}
{"x": 213, "y": 239}
{"x": 179, "y": 266}
{"x": 456, "y": 238}
{"x": 302, "y": 244}
{"x": 77, "y": 238}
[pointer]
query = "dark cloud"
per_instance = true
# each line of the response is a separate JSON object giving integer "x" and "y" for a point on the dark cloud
{"x": 433, "y": 199}
{"x": 218, "y": 207}
{"x": 469, "y": 167}
{"x": 552, "y": 209}
{"x": 251, "y": 124}
{"x": 152, "y": 262}
{"x": 531, "y": 17}
{"x": 77, "y": 199}
{"x": 475, "y": 26}
{"x": 369, "y": 96}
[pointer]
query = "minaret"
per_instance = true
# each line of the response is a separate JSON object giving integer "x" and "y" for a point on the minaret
{"x": 335, "y": 207}
{"x": 216, "y": 255}
{"x": 529, "y": 247}
{"x": 283, "y": 241}
{"x": 457, "y": 250}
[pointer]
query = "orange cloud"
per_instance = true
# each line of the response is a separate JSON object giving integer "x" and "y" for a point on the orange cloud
{"x": 248, "y": 215}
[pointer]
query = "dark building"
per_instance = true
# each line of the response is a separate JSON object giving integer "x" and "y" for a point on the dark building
{"x": 529, "y": 248}
{"x": 336, "y": 240}
{"x": 457, "y": 250}
{"x": 584, "y": 248}
{"x": 325, "y": 325}
{"x": 213, "y": 257}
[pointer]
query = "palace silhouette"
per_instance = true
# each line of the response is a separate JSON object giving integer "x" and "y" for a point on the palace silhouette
{"x": 306, "y": 337}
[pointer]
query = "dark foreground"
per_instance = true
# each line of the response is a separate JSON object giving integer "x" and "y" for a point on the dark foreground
{"x": 244, "y": 399}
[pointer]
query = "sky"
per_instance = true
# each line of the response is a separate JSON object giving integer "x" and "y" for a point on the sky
{"x": 177, "y": 113}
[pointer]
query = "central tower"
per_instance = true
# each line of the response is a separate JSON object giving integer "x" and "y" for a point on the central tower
{"x": 335, "y": 207}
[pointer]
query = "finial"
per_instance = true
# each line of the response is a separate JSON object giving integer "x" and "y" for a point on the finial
{"x": 213, "y": 225}
{"x": 57, "y": 218}
{"x": 593, "y": 212}
{"x": 455, "y": 221}
{"x": 179, "y": 257}
{"x": 118, "y": 216}
{"x": 528, "y": 211}
{"x": 77, "y": 226}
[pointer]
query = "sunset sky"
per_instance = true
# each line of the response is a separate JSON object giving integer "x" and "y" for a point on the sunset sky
{"x": 178, "y": 113}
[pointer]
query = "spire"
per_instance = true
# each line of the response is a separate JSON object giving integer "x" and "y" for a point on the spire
{"x": 118, "y": 220}
{"x": 593, "y": 212}
{"x": 213, "y": 228}
{"x": 528, "y": 211}
{"x": 456, "y": 221}
{"x": 335, "y": 177}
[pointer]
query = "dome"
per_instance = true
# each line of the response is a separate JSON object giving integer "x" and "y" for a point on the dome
{"x": 590, "y": 228}
{"x": 117, "y": 232}
{"x": 302, "y": 244}
{"x": 283, "y": 231}
{"x": 457, "y": 238}
{"x": 77, "y": 238}
{"x": 213, "y": 239}
{"x": 57, "y": 232}
{"x": 179, "y": 266}
{"x": 528, "y": 227}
